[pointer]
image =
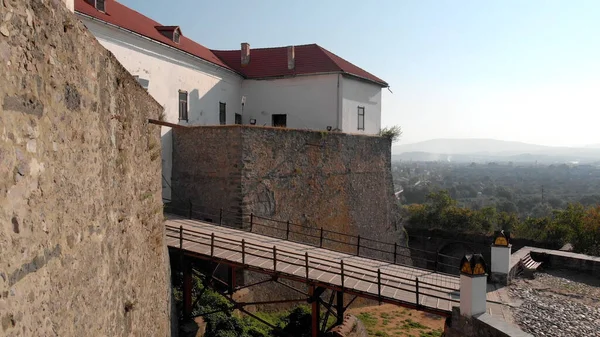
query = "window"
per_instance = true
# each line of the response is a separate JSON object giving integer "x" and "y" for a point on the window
{"x": 183, "y": 105}
{"x": 279, "y": 120}
{"x": 222, "y": 113}
{"x": 238, "y": 119}
{"x": 361, "y": 117}
{"x": 143, "y": 82}
{"x": 100, "y": 5}
{"x": 176, "y": 35}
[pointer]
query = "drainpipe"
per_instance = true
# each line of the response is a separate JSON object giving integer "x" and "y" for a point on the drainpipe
{"x": 339, "y": 105}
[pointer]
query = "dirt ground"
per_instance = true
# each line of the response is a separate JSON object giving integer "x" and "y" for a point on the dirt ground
{"x": 392, "y": 321}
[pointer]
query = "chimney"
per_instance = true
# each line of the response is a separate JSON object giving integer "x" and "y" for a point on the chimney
{"x": 291, "y": 57}
{"x": 245, "y": 54}
{"x": 70, "y": 4}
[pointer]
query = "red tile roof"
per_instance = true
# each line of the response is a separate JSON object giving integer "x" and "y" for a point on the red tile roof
{"x": 125, "y": 17}
{"x": 310, "y": 59}
{"x": 264, "y": 62}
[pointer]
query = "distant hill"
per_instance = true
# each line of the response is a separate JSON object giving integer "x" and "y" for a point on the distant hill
{"x": 485, "y": 150}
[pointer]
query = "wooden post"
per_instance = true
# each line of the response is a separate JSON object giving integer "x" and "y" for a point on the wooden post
{"x": 181, "y": 238}
{"x": 221, "y": 217}
{"x": 231, "y": 282}
{"x": 321, "y": 239}
{"x": 251, "y": 221}
{"x": 342, "y": 272}
{"x": 187, "y": 288}
{"x": 287, "y": 231}
{"x": 340, "y": 309}
{"x": 417, "y": 292}
{"x": 315, "y": 312}
{"x": 379, "y": 284}
{"x": 190, "y": 212}
{"x": 243, "y": 252}
{"x": 358, "y": 246}
{"x": 274, "y": 258}
{"x": 212, "y": 244}
{"x": 395, "y": 251}
{"x": 306, "y": 260}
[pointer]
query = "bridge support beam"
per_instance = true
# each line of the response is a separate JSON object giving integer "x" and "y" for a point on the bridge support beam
{"x": 315, "y": 293}
{"x": 340, "y": 309}
{"x": 187, "y": 288}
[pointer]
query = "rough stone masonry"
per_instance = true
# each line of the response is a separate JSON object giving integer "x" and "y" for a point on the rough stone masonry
{"x": 81, "y": 234}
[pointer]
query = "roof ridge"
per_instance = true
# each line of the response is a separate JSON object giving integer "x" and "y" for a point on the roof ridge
{"x": 268, "y": 48}
{"x": 336, "y": 59}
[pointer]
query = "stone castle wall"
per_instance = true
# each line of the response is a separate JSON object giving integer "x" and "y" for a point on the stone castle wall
{"x": 82, "y": 249}
{"x": 336, "y": 181}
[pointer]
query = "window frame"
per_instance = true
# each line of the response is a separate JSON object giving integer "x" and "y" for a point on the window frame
{"x": 222, "y": 113}
{"x": 278, "y": 116}
{"x": 361, "y": 115}
{"x": 103, "y": 5}
{"x": 176, "y": 36}
{"x": 183, "y": 113}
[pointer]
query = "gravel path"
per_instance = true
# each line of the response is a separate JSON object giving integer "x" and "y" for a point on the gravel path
{"x": 557, "y": 304}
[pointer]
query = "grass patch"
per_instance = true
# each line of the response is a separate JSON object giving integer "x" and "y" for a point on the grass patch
{"x": 368, "y": 319}
{"x": 433, "y": 333}
{"x": 381, "y": 334}
{"x": 410, "y": 324}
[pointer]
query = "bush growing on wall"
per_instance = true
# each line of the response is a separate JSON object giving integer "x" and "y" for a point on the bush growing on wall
{"x": 393, "y": 133}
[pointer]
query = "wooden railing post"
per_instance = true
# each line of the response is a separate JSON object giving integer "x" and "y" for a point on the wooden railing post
{"x": 417, "y": 292}
{"x": 251, "y": 221}
{"x": 287, "y": 231}
{"x": 342, "y": 273}
{"x": 275, "y": 258}
{"x": 212, "y": 244}
{"x": 243, "y": 252}
{"x": 221, "y": 217}
{"x": 190, "y": 211}
{"x": 321, "y": 239}
{"x": 358, "y": 246}
{"x": 395, "y": 251}
{"x": 306, "y": 261}
{"x": 379, "y": 284}
{"x": 180, "y": 237}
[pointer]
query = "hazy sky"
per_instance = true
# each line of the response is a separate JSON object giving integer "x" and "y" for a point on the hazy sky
{"x": 526, "y": 70}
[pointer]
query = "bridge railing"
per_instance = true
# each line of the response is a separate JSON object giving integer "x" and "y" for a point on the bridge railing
{"x": 235, "y": 251}
{"x": 320, "y": 237}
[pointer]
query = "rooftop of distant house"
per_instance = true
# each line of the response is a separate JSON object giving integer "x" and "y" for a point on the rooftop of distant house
{"x": 262, "y": 63}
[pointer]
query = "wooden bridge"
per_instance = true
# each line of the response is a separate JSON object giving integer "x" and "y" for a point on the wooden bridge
{"x": 318, "y": 258}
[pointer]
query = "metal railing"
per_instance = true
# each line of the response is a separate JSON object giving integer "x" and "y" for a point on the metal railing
{"x": 253, "y": 256}
{"x": 320, "y": 237}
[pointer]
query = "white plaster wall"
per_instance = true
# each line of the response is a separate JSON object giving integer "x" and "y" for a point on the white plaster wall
{"x": 70, "y": 5}
{"x": 501, "y": 259}
{"x": 168, "y": 71}
{"x": 357, "y": 93}
{"x": 310, "y": 102}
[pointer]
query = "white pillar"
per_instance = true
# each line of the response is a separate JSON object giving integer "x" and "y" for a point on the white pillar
{"x": 473, "y": 290}
{"x": 70, "y": 4}
{"x": 501, "y": 259}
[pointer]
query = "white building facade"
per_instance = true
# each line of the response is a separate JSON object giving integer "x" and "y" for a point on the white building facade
{"x": 262, "y": 87}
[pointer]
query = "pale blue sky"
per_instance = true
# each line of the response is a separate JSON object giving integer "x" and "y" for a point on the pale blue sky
{"x": 525, "y": 70}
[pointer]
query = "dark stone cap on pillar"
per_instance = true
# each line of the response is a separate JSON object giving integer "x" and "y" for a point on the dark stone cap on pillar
{"x": 502, "y": 239}
{"x": 473, "y": 265}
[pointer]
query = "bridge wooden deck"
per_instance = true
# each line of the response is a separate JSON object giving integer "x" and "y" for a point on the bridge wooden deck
{"x": 384, "y": 281}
